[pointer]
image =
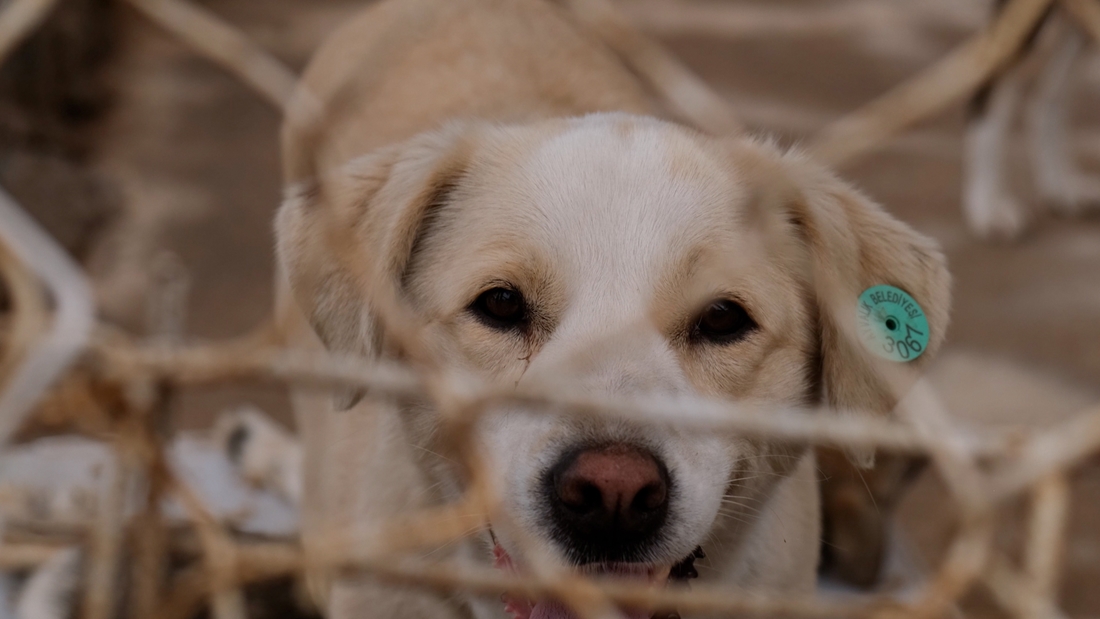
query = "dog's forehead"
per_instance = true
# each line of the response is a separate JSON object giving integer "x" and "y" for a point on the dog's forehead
{"x": 617, "y": 189}
{"x": 627, "y": 173}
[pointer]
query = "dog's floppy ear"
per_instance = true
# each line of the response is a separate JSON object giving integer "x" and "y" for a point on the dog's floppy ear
{"x": 342, "y": 235}
{"x": 852, "y": 246}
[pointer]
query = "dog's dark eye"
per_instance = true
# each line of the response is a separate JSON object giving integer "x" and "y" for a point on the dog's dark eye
{"x": 500, "y": 308}
{"x": 723, "y": 322}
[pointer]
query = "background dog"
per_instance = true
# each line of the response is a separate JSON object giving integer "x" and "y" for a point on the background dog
{"x": 1039, "y": 83}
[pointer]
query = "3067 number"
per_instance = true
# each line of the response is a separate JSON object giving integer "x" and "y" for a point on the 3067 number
{"x": 906, "y": 348}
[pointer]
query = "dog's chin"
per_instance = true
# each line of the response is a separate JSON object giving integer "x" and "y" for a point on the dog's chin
{"x": 653, "y": 575}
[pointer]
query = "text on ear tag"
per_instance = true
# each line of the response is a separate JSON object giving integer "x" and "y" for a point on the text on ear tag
{"x": 891, "y": 323}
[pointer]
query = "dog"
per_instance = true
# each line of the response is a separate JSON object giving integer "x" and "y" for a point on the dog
{"x": 1039, "y": 83}
{"x": 536, "y": 209}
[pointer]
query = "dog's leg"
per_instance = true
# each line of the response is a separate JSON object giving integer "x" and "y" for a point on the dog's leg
{"x": 48, "y": 593}
{"x": 990, "y": 209}
{"x": 1059, "y": 182}
{"x": 265, "y": 454}
{"x": 6, "y": 607}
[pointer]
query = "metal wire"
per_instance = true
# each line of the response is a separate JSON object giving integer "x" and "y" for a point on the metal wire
{"x": 981, "y": 473}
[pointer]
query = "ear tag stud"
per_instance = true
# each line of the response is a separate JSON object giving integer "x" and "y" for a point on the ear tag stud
{"x": 891, "y": 323}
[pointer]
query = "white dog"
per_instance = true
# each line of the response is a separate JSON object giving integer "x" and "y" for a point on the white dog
{"x": 504, "y": 170}
{"x": 1040, "y": 84}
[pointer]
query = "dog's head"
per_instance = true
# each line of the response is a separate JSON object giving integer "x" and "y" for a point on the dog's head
{"x": 614, "y": 255}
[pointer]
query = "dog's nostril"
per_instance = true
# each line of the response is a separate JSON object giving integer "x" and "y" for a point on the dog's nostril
{"x": 609, "y": 500}
{"x": 578, "y": 495}
{"x": 650, "y": 498}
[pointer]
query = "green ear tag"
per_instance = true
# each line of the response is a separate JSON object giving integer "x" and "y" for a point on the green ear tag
{"x": 891, "y": 323}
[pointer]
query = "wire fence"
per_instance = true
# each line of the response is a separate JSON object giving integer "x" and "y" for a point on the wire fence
{"x": 56, "y": 356}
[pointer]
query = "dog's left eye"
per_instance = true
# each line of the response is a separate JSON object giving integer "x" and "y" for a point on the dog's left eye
{"x": 500, "y": 308}
{"x": 723, "y": 322}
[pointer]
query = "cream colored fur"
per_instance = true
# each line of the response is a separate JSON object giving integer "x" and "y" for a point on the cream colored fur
{"x": 462, "y": 144}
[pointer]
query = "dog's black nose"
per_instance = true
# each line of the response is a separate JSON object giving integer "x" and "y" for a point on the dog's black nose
{"x": 608, "y": 503}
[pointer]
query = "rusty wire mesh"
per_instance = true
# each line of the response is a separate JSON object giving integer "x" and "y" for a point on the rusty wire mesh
{"x": 53, "y": 341}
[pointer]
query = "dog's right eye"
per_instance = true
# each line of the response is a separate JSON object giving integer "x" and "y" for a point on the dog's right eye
{"x": 723, "y": 322}
{"x": 500, "y": 308}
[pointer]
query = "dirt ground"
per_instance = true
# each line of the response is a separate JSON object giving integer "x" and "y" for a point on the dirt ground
{"x": 196, "y": 155}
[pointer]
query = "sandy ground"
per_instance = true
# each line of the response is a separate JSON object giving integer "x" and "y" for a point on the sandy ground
{"x": 197, "y": 156}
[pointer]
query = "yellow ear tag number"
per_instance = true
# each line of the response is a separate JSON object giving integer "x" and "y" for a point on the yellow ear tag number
{"x": 891, "y": 323}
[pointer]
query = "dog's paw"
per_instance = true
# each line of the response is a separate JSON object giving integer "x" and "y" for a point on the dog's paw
{"x": 266, "y": 455}
{"x": 49, "y": 591}
{"x": 1004, "y": 219}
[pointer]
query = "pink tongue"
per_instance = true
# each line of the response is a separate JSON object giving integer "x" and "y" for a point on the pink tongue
{"x": 556, "y": 610}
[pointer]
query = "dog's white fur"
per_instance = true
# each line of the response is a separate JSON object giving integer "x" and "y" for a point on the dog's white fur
{"x": 1040, "y": 85}
{"x": 466, "y": 144}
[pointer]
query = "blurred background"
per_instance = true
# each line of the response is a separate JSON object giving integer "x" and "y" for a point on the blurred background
{"x": 144, "y": 159}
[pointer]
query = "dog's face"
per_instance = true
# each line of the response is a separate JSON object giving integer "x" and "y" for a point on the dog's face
{"x": 612, "y": 255}
{"x": 618, "y": 257}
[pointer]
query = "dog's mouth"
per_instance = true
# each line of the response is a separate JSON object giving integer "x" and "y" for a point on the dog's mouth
{"x": 653, "y": 575}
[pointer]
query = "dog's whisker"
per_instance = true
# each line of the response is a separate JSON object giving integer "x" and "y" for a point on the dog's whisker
{"x": 430, "y": 452}
{"x": 770, "y": 457}
{"x": 736, "y": 503}
{"x": 751, "y": 510}
{"x": 756, "y": 476}
{"x": 466, "y": 533}
{"x": 738, "y": 518}
{"x": 740, "y": 497}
